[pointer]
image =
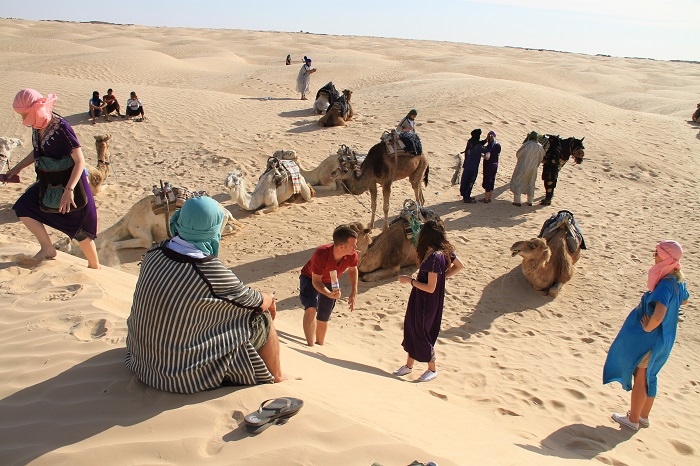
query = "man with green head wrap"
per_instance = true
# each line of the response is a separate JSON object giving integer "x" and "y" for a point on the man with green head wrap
{"x": 194, "y": 325}
{"x": 524, "y": 177}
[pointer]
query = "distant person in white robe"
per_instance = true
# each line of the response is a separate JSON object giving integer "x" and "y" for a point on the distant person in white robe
{"x": 524, "y": 177}
{"x": 304, "y": 78}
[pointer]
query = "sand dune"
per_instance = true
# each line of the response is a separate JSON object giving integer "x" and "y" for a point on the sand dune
{"x": 519, "y": 373}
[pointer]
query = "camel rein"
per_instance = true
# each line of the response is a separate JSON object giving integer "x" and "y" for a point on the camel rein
{"x": 356, "y": 198}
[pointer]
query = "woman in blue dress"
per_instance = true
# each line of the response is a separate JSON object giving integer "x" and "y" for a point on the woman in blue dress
{"x": 54, "y": 139}
{"x": 421, "y": 325}
{"x": 645, "y": 340}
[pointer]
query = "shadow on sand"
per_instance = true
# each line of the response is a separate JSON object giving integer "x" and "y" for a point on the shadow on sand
{"x": 81, "y": 402}
{"x": 579, "y": 441}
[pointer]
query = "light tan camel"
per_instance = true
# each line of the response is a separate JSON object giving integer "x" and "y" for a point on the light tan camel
{"x": 139, "y": 228}
{"x": 389, "y": 251}
{"x": 381, "y": 168}
{"x": 98, "y": 176}
{"x": 267, "y": 195}
{"x": 321, "y": 177}
{"x": 547, "y": 265}
{"x": 334, "y": 115}
{"x": 7, "y": 145}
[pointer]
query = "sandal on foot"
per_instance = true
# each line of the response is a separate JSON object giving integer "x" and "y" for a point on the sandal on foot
{"x": 427, "y": 376}
{"x": 624, "y": 420}
{"x": 403, "y": 370}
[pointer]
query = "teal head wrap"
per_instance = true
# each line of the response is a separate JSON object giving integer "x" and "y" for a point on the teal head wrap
{"x": 199, "y": 223}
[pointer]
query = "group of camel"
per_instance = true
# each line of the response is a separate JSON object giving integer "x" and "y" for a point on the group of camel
{"x": 547, "y": 264}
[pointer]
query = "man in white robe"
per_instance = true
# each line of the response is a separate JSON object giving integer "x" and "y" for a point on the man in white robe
{"x": 524, "y": 177}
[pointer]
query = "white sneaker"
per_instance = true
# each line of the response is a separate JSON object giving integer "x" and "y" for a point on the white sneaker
{"x": 427, "y": 376}
{"x": 624, "y": 420}
{"x": 643, "y": 421}
{"x": 403, "y": 370}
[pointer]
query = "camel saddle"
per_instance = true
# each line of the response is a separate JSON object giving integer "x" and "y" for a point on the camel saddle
{"x": 283, "y": 170}
{"x": 346, "y": 154}
{"x": 415, "y": 216}
{"x": 402, "y": 144}
{"x": 564, "y": 219}
{"x": 174, "y": 195}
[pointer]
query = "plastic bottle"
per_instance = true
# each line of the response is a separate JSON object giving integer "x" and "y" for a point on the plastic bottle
{"x": 159, "y": 201}
{"x": 334, "y": 280}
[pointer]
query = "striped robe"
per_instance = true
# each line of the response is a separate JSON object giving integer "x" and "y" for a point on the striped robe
{"x": 190, "y": 325}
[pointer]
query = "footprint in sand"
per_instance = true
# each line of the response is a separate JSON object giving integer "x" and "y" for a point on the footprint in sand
{"x": 65, "y": 294}
{"x": 438, "y": 395}
{"x": 682, "y": 448}
{"x": 91, "y": 329}
{"x": 507, "y": 412}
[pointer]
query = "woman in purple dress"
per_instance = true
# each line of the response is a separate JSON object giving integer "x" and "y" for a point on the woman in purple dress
{"x": 421, "y": 325}
{"x": 54, "y": 140}
{"x": 492, "y": 151}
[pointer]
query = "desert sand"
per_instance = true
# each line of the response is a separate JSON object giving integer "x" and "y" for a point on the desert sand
{"x": 519, "y": 372}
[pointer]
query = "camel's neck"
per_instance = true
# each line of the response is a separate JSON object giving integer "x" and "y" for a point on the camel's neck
{"x": 361, "y": 184}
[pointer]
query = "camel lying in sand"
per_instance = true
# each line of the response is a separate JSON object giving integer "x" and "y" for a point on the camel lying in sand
{"x": 267, "y": 195}
{"x": 139, "y": 228}
{"x": 391, "y": 250}
{"x": 547, "y": 265}
{"x": 321, "y": 177}
{"x": 338, "y": 113}
{"x": 7, "y": 145}
{"x": 98, "y": 176}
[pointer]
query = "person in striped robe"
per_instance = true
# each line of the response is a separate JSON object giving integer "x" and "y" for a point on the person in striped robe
{"x": 194, "y": 325}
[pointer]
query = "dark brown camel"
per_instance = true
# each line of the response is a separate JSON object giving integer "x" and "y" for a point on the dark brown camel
{"x": 381, "y": 168}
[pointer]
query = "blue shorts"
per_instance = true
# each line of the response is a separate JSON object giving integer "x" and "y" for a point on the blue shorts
{"x": 312, "y": 298}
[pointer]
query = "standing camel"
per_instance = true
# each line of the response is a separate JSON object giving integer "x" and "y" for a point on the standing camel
{"x": 381, "y": 168}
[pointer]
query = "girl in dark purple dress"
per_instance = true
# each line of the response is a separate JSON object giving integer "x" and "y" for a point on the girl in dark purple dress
{"x": 54, "y": 140}
{"x": 421, "y": 325}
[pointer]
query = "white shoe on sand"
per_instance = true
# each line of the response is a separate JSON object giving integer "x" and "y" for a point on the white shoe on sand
{"x": 403, "y": 370}
{"x": 643, "y": 421}
{"x": 427, "y": 376}
{"x": 624, "y": 420}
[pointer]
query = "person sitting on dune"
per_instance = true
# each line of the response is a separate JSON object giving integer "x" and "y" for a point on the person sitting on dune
{"x": 112, "y": 104}
{"x": 134, "y": 106}
{"x": 96, "y": 107}
{"x": 194, "y": 325}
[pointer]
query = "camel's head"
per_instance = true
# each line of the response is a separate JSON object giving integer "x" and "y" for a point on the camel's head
{"x": 7, "y": 145}
{"x": 577, "y": 150}
{"x": 234, "y": 180}
{"x": 285, "y": 154}
{"x": 101, "y": 146}
{"x": 65, "y": 244}
{"x": 348, "y": 94}
{"x": 530, "y": 249}
{"x": 364, "y": 237}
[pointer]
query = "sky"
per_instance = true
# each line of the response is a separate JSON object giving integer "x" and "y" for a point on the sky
{"x": 663, "y": 30}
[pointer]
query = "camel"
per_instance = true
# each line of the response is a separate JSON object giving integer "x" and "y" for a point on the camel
{"x": 320, "y": 177}
{"x": 391, "y": 250}
{"x": 381, "y": 168}
{"x": 139, "y": 228}
{"x": 547, "y": 264}
{"x": 267, "y": 195}
{"x": 7, "y": 145}
{"x": 339, "y": 112}
{"x": 97, "y": 176}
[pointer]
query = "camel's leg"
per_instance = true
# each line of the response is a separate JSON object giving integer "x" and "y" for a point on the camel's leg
{"x": 141, "y": 242}
{"x": 381, "y": 273}
{"x": 274, "y": 206}
{"x": 373, "y": 203}
{"x": 554, "y": 289}
{"x": 419, "y": 195}
{"x": 306, "y": 191}
{"x": 386, "y": 194}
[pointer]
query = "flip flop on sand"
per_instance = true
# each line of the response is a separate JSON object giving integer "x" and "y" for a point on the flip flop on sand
{"x": 274, "y": 411}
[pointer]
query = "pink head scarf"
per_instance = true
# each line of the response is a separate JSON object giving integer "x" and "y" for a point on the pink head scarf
{"x": 670, "y": 253}
{"x": 37, "y": 107}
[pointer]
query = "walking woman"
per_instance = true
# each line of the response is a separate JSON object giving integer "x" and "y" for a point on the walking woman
{"x": 421, "y": 325}
{"x": 61, "y": 197}
{"x": 646, "y": 338}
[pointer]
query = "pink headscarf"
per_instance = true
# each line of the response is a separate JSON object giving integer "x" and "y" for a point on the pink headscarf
{"x": 670, "y": 253}
{"x": 37, "y": 107}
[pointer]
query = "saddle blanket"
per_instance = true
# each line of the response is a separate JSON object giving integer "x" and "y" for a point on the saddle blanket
{"x": 412, "y": 143}
{"x": 574, "y": 232}
{"x": 293, "y": 170}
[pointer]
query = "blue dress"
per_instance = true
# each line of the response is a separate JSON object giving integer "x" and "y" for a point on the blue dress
{"x": 472, "y": 160}
{"x": 633, "y": 343}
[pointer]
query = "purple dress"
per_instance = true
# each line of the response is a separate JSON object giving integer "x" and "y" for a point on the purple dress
{"x": 421, "y": 325}
{"x": 491, "y": 166}
{"x": 57, "y": 142}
